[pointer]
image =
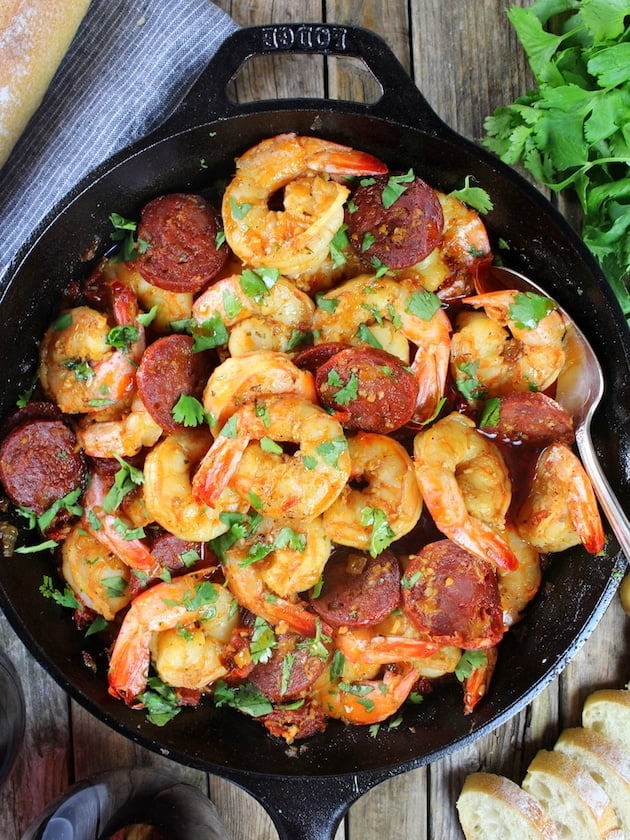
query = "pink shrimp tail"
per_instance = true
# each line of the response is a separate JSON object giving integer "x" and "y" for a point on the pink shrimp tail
{"x": 341, "y": 161}
{"x": 129, "y": 665}
{"x": 217, "y": 468}
{"x": 487, "y": 545}
{"x": 134, "y": 553}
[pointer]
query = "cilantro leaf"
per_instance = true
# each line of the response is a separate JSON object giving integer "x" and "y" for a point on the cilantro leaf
{"x": 528, "y": 309}
{"x": 474, "y": 197}
{"x": 189, "y": 411}
{"x": 469, "y": 661}
{"x": 160, "y": 701}
{"x": 382, "y": 534}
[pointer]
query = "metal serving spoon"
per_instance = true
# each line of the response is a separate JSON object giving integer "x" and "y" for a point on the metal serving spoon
{"x": 579, "y": 389}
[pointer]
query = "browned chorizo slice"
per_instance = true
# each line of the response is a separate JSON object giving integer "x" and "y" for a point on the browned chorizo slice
{"x": 180, "y": 232}
{"x": 169, "y": 368}
{"x": 175, "y": 554}
{"x": 296, "y": 724}
{"x": 532, "y": 418}
{"x": 312, "y": 358}
{"x": 39, "y": 463}
{"x": 36, "y": 410}
{"x": 453, "y": 596}
{"x": 358, "y": 590}
{"x": 371, "y": 389}
{"x": 399, "y": 234}
{"x": 290, "y": 670}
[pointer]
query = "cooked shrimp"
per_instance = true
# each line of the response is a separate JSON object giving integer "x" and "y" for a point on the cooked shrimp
{"x": 180, "y": 603}
{"x": 561, "y": 509}
{"x": 124, "y": 436}
{"x": 369, "y": 645}
{"x": 97, "y": 577}
{"x": 169, "y": 307}
{"x": 245, "y": 378}
{"x": 383, "y": 465}
{"x": 295, "y": 486}
{"x": 112, "y": 529}
{"x": 454, "y": 263}
{"x": 167, "y": 488}
{"x": 296, "y": 238}
{"x": 273, "y": 306}
{"x": 516, "y": 344}
{"x": 392, "y": 312}
{"x": 79, "y": 367}
{"x": 299, "y": 551}
{"x": 365, "y": 702}
{"x": 466, "y": 487}
{"x": 400, "y": 635}
{"x": 518, "y": 587}
{"x": 248, "y": 587}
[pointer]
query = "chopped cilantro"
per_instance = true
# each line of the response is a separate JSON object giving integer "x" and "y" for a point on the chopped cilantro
{"x": 474, "y": 197}
{"x": 528, "y": 309}
{"x": 396, "y": 186}
{"x": 469, "y": 661}
{"x": 382, "y": 535}
{"x": 189, "y": 411}
{"x": 245, "y": 698}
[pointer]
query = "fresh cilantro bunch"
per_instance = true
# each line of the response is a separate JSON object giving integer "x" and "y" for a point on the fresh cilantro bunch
{"x": 573, "y": 131}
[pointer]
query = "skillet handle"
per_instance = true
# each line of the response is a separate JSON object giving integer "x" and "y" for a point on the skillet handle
{"x": 307, "y": 807}
{"x": 208, "y": 99}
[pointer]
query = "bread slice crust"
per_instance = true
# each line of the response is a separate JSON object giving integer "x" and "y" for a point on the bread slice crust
{"x": 571, "y": 797}
{"x": 492, "y": 807}
{"x": 606, "y": 761}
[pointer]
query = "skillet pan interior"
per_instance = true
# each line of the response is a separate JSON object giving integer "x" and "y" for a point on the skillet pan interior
{"x": 577, "y": 586}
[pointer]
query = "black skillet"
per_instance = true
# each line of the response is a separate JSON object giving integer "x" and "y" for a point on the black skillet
{"x": 307, "y": 790}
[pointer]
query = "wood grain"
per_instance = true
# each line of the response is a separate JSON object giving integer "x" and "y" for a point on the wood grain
{"x": 465, "y": 59}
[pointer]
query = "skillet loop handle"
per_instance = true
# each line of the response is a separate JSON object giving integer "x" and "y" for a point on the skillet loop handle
{"x": 307, "y": 807}
{"x": 209, "y": 98}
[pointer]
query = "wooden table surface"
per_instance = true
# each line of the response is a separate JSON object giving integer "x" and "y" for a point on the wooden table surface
{"x": 465, "y": 59}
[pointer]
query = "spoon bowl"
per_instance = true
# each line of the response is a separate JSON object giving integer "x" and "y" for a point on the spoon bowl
{"x": 579, "y": 389}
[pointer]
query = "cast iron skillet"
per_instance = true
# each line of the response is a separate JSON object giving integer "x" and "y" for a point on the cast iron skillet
{"x": 307, "y": 790}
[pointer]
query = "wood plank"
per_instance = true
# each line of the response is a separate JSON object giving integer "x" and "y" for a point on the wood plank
{"x": 31, "y": 785}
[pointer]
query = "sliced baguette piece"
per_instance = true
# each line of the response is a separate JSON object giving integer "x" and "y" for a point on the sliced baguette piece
{"x": 571, "y": 797}
{"x": 34, "y": 38}
{"x": 606, "y": 761}
{"x": 607, "y": 711}
{"x": 492, "y": 807}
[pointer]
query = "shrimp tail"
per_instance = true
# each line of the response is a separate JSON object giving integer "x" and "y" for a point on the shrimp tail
{"x": 129, "y": 664}
{"x": 476, "y": 685}
{"x": 217, "y": 467}
{"x": 341, "y": 161}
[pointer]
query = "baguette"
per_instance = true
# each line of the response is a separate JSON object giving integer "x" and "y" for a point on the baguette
{"x": 607, "y": 711}
{"x": 571, "y": 797}
{"x": 606, "y": 761}
{"x": 492, "y": 807}
{"x": 34, "y": 37}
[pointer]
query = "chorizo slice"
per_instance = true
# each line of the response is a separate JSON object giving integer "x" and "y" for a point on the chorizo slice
{"x": 296, "y": 724}
{"x": 290, "y": 670}
{"x": 171, "y": 552}
{"x": 370, "y": 388}
{"x": 398, "y": 234}
{"x": 453, "y": 596}
{"x": 169, "y": 368}
{"x": 312, "y": 358}
{"x": 40, "y": 463}
{"x": 179, "y": 232}
{"x": 358, "y": 590}
{"x": 532, "y": 418}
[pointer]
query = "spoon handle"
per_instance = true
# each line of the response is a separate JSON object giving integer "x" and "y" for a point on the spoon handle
{"x": 610, "y": 505}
